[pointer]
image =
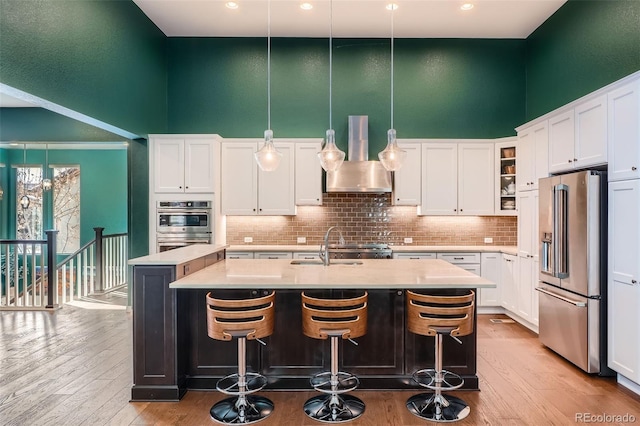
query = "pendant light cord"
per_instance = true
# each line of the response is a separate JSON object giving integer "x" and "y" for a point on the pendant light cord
{"x": 392, "y": 13}
{"x": 269, "y": 65}
{"x": 330, "y": 64}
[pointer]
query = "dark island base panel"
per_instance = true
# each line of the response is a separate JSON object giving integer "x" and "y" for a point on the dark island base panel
{"x": 172, "y": 352}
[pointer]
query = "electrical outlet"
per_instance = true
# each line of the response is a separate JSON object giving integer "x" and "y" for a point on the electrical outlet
{"x": 488, "y": 240}
{"x": 248, "y": 239}
{"x": 302, "y": 240}
{"x": 408, "y": 240}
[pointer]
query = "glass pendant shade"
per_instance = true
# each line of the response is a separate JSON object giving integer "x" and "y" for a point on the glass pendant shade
{"x": 331, "y": 157}
{"x": 392, "y": 156}
{"x": 268, "y": 157}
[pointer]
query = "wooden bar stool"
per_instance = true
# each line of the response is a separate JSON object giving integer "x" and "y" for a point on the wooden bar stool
{"x": 438, "y": 316}
{"x": 242, "y": 319}
{"x": 334, "y": 318}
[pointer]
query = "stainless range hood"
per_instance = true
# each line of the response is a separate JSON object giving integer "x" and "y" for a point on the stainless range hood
{"x": 358, "y": 174}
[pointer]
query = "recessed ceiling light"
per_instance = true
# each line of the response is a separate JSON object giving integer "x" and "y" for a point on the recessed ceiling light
{"x": 306, "y": 6}
{"x": 231, "y": 5}
{"x": 392, "y": 6}
{"x": 467, "y": 6}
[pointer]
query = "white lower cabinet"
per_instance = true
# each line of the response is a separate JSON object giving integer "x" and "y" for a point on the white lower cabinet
{"x": 239, "y": 255}
{"x": 490, "y": 266}
{"x": 414, "y": 256}
{"x": 272, "y": 255}
{"x": 623, "y": 279}
{"x": 508, "y": 276}
{"x": 305, "y": 255}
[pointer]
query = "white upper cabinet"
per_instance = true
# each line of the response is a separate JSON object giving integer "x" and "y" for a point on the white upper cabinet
{"x": 407, "y": 188}
{"x": 457, "y": 179}
{"x": 533, "y": 156}
{"x": 561, "y": 139}
{"x": 591, "y": 133}
{"x": 308, "y": 181}
{"x": 578, "y": 137}
{"x": 182, "y": 164}
{"x": 247, "y": 190}
{"x": 439, "y": 179}
{"x": 476, "y": 177}
{"x": 624, "y": 132}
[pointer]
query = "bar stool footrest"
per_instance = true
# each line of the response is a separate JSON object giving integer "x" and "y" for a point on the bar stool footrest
{"x": 247, "y": 410}
{"x": 334, "y": 408}
{"x": 346, "y": 382}
{"x": 438, "y": 408}
{"x": 428, "y": 378}
{"x": 229, "y": 385}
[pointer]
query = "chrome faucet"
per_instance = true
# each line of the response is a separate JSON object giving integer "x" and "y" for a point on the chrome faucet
{"x": 324, "y": 252}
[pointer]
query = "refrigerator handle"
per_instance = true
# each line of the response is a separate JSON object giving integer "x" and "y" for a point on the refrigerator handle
{"x": 561, "y": 196}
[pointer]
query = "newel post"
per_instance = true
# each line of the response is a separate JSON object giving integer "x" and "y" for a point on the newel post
{"x": 99, "y": 262}
{"x": 52, "y": 273}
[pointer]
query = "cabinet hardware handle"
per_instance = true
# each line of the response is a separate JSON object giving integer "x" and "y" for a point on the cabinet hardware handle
{"x": 570, "y": 161}
{"x": 458, "y": 258}
{"x": 634, "y": 282}
{"x": 460, "y": 209}
{"x": 317, "y": 199}
{"x": 634, "y": 168}
{"x": 254, "y": 210}
{"x": 399, "y": 292}
{"x": 575, "y": 159}
{"x": 455, "y": 210}
{"x": 260, "y": 209}
{"x": 414, "y": 258}
{"x": 273, "y": 257}
{"x": 186, "y": 187}
{"x": 254, "y": 292}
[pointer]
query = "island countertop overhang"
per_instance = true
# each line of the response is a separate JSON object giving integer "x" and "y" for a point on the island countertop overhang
{"x": 371, "y": 274}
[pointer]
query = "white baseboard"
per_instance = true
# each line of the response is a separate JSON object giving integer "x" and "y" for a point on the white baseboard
{"x": 520, "y": 320}
{"x": 629, "y": 384}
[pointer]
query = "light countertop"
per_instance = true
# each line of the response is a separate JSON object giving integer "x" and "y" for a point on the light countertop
{"x": 178, "y": 256}
{"x": 399, "y": 249}
{"x": 371, "y": 274}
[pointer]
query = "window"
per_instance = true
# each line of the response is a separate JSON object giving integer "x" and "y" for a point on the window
{"x": 29, "y": 203}
{"x": 66, "y": 207}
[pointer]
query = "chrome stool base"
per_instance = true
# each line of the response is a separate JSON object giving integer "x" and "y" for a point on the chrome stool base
{"x": 230, "y": 411}
{"x": 438, "y": 408}
{"x": 334, "y": 408}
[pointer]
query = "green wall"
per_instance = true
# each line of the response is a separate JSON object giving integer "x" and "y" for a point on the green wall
{"x": 39, "y": 124}
{"x": 585, "y": 45}
{"x": 104, "y": 59}
{"x": 103, "y": 187}
{"x": 443, "y": 88}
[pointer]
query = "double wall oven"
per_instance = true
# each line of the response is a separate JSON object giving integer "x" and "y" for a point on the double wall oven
{"x": 181, "y": 223}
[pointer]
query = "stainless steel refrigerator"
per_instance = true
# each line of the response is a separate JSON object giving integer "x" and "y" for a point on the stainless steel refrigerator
{"x": 573, "y": 268}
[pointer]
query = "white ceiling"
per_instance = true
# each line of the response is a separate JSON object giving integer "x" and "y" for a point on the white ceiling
{"x": 351, "y": 18}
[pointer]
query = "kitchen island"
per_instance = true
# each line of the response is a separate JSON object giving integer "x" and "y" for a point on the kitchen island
{"x": 172, "y": 352}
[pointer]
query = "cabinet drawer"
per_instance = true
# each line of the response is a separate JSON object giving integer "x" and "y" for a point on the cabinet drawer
{"x": 273, "y": 255}
{"x": 474, "y": 268}
{"x": 414, "y": 255}
{"x": 239, "y": 255}
{"x": 306, "y": 255}
{"x": 460, "y": 257}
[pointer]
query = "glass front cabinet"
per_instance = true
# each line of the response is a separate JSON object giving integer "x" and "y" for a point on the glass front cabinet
{"x": 506, "y": 184}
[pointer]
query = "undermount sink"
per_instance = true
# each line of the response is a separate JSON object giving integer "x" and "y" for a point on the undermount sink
{"x": 333, "y": 262}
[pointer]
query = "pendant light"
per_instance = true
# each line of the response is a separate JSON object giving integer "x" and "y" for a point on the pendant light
{"x": 24, "y": 200}
{"x": 392, "y": 156}
{"x": 46, "y": 182}
{"x": 268, "y": 157}
{"x": 331, "y": 157}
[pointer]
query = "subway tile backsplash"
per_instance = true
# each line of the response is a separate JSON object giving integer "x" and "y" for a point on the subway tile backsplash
{"x": 365, "y": 218}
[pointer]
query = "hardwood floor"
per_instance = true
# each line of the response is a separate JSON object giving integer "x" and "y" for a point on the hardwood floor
{"x": 73, "y": 367}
